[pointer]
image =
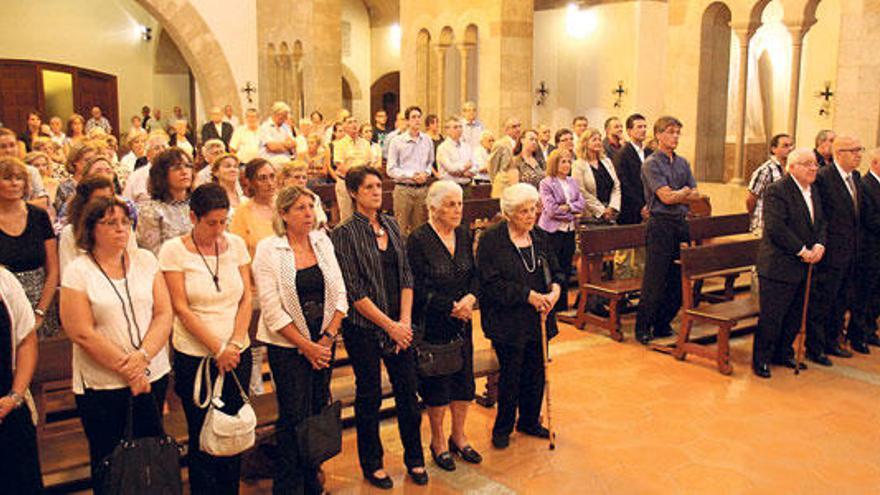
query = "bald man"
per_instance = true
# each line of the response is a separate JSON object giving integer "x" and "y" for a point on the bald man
{"x": 838, "y": 186}
{"x": 217, "y": 128}
{"x": 867, "y": 306}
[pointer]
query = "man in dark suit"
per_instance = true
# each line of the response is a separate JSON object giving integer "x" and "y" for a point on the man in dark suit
{"x": 794, "y": 236}
{"x": 867, "y": 307}
{"x": 837, "y": 185}
{"x": 628, "y": 165}
{"x": 217, "y": 128}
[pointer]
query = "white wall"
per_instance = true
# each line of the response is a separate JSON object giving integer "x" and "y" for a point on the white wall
{"x": 385, "y": 51}
{"x": 818, "y": 65}
{"x": 626, "y": 43}
{"x": 358, "y": 60}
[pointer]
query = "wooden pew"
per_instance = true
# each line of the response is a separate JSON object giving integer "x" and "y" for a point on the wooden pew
{"x": 477, "y": 211}
{"x": 51, "y": 384}
{"x": 716, "y": 260}
{"x": 702, "y": 228}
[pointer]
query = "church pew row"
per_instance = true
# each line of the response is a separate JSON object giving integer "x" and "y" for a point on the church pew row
{"x": 596, "y": 244}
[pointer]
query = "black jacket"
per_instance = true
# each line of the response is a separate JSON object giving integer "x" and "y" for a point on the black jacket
{"x": 842, "y": 219}
{"x": 507, "y": 317}
{"x": 209, "y": 131}
{"x": 788, "y": 229}
{"x": 632, "y": 193}
{"x": 870, "y": 217}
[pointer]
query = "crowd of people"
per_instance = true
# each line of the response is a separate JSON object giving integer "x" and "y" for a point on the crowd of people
{"x": 174, "y": 240}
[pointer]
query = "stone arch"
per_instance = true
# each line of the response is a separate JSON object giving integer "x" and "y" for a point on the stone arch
{"x": 385, "y": 95}
{"x": 470, "y": 70}
{"x": 423, "y": 68}
{"x": 712, "y": 92}
{"x": 348, "y": 75}
{"x": 199, "y": 48}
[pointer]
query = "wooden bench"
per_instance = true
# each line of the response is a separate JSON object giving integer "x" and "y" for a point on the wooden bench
{"x": 702, "y": 262}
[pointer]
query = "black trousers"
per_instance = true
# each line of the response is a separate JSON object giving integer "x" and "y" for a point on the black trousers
{"x": 19, "y": 460}
{"x": 301, "y": 391}
{"x": 103, "y": 415}
{"x": 782, "y": 304}
{"x": 866, "y": 307}
{"x": 520, "y": 386}
{"x": 563, "y": 247}
{"x": 828, "y": 304}
{"x": 660, "y": 297}
{"x": 363, "y": 348}
{"x": 209, "y": 474}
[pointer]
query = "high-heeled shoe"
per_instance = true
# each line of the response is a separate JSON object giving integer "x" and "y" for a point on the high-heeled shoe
{"x": 467, "y": 453}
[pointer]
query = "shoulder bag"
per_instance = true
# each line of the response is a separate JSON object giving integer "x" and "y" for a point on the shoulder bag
{"x": 223, "y": 434}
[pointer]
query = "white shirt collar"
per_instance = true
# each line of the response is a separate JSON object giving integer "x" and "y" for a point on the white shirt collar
{"x": 843, "y": 175}
{"x": 877, "y": 177}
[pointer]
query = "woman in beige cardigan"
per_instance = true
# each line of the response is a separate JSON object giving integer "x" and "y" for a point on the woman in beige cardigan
{"x": 596, "y": 178}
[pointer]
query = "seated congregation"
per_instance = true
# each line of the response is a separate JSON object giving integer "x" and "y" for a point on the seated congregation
{"x": 352, "y": 258}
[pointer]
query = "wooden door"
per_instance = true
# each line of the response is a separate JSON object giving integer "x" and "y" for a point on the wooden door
{"x": 96, "y": 89}
{"x": 19, "y": 93}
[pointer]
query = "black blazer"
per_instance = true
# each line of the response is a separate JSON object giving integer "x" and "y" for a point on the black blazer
{"x": 788, "y": 229}
{"x": 507, "y": 317}
{"x": 209, "y": 131}
{"x": 632, "y": 193}
{"x": 869, "y": 209}
{"x": 843, "y": 221}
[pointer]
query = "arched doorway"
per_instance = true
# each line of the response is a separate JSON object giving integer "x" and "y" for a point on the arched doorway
{"x": 712, "y": 101}
{"x": 385, "y": 95}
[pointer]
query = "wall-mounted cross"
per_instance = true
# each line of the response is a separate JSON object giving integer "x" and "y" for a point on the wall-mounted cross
{"x": 619, "y": 91}
{"x": 827, "y": 94}
{"x": 542, "y": 93}
{"x": 249, "y": 89}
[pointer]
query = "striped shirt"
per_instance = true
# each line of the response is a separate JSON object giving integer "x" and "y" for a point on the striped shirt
{"x": 768, "y": 173}
{"x": 360, "y": 260}
{"x": 408, "y": 156}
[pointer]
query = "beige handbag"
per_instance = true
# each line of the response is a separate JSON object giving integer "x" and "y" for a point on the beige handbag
{"x": 222, "y": 434}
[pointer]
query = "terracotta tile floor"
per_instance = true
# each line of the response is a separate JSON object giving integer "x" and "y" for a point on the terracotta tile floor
{"x": 630, "y": 420}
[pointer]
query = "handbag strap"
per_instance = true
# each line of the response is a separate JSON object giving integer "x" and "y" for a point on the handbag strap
{"x": 203, "y": 377}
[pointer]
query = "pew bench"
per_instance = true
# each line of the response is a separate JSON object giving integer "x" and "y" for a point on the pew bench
{"x": 697, "y": 264}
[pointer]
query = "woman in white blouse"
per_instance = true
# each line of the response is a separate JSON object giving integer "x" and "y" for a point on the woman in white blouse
{"x": 116, "y": 310}
{"x": 303, "y": 301}
{"x": 208, "y": 276}
{"x": 594, "y": 173}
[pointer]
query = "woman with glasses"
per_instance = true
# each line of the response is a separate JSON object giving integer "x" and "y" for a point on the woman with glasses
{"x": 166, "y": 215}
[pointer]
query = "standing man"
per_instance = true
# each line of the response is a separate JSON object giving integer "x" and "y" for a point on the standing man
{"x": 410, "y": 156}
{"x": 217, "y": 128}
{"x": 579, "y": 124}
{"x": 794, "y": 237}
{"x": 98, "y": 120}
{"x": 824, "y": 144}
{"x": 155, "y": 124}
{"x": 276, "y": 138}
{"x": 838, "y": 186}
{"x": 400, "y": 126}
{"x": 613, "y": 141}
{"x": 867, "y": 308}
{"x": 229, "y": 116}
{"x": 245, "y": 142}
{"x": 501, "y": 158}
{"x": 145, "y": 117}
{"x": 136, "y": 185}
{"x": 471, "y": 127}
{"x": 628, "y": 165}
{"x": 545, "y": 147}
{"x": 380, "y": 127}
{"x": 348, "y": 153}
{"x": 669, "y": 185}
{"x": 454, "y": 158}
{"x": 769, "y": 172}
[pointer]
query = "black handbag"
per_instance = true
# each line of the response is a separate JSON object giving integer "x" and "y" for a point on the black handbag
{"x": 148, "y": 466}
{"x": 319, "y": 436}
{"x": 436, "y": 359}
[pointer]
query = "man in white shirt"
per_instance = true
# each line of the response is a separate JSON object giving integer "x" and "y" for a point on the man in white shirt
{"x": 230, "y": 117}
{"x": 276, "y": 138}
{"x": 302, "y": 136}
{"x": 454, "y": 156}
{"x": 217, "y": 128}
{"x": 136, "y": 186}
{"x": 579, "y": 124}
{"x": 472, "y": 128}
{"x": 245, "y": 142}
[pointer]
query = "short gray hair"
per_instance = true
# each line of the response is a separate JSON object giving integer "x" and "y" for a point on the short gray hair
{"x": 213, "y": 143}
{"x": 469, "y": 104}
{"x": 280, "y": 106}
{"x": 438, "y": 192}
{"x": 516, "y": 195}
{"x": 798, "y": 155}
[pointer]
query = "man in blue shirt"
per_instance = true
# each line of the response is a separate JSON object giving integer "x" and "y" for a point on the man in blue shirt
{"x": 669, "y": 186}
{"x": 410, "y": 159}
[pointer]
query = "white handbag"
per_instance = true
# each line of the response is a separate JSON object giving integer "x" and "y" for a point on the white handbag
{"x": 222, "y": 434}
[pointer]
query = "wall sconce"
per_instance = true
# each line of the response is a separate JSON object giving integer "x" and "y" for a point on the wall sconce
{"x": 825, "y": 95}
{"x": 146, "y": 33}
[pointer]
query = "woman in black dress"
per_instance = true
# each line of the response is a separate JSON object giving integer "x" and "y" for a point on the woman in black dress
{"x": 378, "y": 328}
{"x": 519, "y": 280}
{"x": 441, "y": 253}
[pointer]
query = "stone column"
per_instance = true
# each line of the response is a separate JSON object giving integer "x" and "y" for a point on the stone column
{"x": 324, "y": 49}
{"x": 464, "y": 50}
{"x": 797, "y": 43}
{"x": 440, "y": 53}
{"x": 742, "y": 36}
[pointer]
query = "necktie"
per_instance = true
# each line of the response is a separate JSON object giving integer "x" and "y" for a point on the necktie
{"x": 852, "y": 192}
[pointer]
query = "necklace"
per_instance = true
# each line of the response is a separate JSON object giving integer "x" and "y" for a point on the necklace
{"x": 523, "y": 258}
{"x": 128, "y": 322}
{"x": 215, "y": 274}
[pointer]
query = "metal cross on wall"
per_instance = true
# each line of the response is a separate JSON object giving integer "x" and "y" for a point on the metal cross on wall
{"x": 619, "y": 91}
{"x": 542, "y": 93}
{"x": 249, "y": 89}
{"x": 826, "y": 94}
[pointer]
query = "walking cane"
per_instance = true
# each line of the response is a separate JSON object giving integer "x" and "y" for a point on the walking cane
{"x": 544, "y": 352}
{"x": 802, "y": 334}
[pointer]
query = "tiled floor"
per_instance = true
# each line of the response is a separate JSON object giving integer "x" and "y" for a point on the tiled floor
{"x": 630, "y": 420}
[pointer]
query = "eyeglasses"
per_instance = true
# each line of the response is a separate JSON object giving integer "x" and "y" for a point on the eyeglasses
{"x": 126, "y": 223}
{"x": 859, "y": 149}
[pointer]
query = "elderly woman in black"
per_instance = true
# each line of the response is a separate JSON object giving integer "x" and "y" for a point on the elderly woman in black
{"x": 378, "y": 329}
{"x": 519, "y": 280}
{"x": 441, "y": 254}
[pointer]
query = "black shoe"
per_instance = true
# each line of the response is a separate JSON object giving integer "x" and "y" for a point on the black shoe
{"x": 860, "y": 347}
{"x": 643, "y": 337}
{"x": 873, "y": 340}
{"x": 419, "y": 478}
{"x": 385, "y": 483}
{"x": 534, "y": 431}
{"x": 790, "y": 363}
{"x": 819, "y": 359}
{"x": 663, "y": 331}
{"x": 838, "y": 352}
{"x": 762, "y": 370}
{"x": 467, "y": 453}
{"x": 444, "y": 460}
{"x": 500, "y": 441}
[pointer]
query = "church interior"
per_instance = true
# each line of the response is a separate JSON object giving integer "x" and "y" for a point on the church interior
{"x": 627, "y": 418}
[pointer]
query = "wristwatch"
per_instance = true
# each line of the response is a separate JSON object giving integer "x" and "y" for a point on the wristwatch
{"x": 39, "y": 312}
{"x": 17, "y": 399}
{"x": 331, "y": 336}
